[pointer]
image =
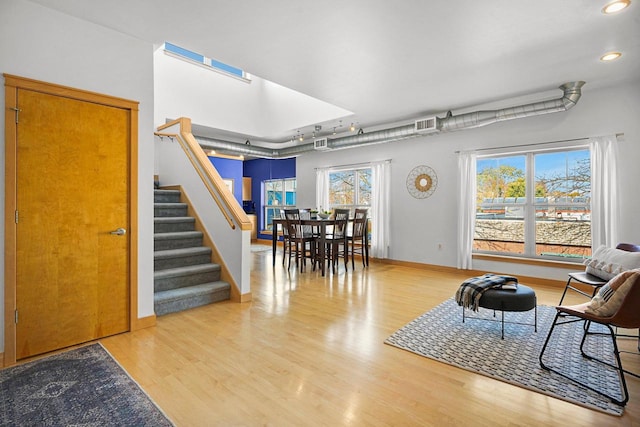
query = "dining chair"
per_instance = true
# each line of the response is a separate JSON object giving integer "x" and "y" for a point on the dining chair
{"x": 300, "y": 237}
{"x": 336, "y": 239}
{"x": 286, "y": 243}
{"x": 356, "y": 239}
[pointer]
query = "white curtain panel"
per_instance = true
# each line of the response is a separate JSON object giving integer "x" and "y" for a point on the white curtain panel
{"x": 381, "y": 209}
{"x": 466, "y": 208}
{"x": 322, "y": 189}
{"x": 604, "y": 191}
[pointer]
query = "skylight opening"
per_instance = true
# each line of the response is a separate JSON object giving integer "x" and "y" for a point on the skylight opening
{"x": 199, "y": 59}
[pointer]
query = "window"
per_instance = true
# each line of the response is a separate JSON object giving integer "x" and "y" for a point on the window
{"x": 534, "y": 204}
{"x": 278, "y": 194}
{"x": 203, "y": 60}
{"x": 365, "y": 186}
{"x": 350, "y": 189}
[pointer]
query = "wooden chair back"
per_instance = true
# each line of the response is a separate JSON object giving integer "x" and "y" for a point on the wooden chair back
{"x": 285, "y": 230}
{"x": 359, "y": 223}
{"x": 341, "y": 218}
{"x": 307, "y": 230}
{"x": 292, "y": 223}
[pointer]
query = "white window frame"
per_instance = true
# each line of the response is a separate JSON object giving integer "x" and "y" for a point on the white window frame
{"x": 352, "y": 207}
{"x": 530, "y": 199}
{"x": 268, "y": 225}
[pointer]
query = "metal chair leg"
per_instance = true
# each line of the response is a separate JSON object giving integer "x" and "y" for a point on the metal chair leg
{"x": 623, "y": 383}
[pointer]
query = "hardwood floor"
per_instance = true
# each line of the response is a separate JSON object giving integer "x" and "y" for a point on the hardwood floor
{"x": 309, "y": 351}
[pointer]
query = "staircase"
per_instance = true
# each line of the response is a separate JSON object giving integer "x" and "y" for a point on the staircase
{"x": 184, "y": 276}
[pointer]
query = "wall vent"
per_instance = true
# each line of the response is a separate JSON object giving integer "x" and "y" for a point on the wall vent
{"x": 320, "y": 144}
{"x": 426, "y": 125}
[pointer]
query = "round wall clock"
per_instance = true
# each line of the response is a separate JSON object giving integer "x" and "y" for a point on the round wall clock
{"x": 422, "y": 182}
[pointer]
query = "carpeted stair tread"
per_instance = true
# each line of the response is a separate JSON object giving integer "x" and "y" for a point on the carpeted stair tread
{"x": 181, "y": 257}
{"x": 169, "y": 209}
{"x": 173, "y": 219}
{"x": 176, "y": 240}
{"x": 182, "y": 252}
{"x": 169, "y": 205}
{"x": 171, "y": 224}
{"x": 185, "y": 271}
{"x": 174, "y": 300}
{"x": 196, "y": 290}
{"x": 177, "y": 235}
{"x": 166, "y": 196}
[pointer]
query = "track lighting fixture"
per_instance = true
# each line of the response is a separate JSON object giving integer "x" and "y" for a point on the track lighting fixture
{"x": 360, "y": 131}
{"x": 352, "y": 128}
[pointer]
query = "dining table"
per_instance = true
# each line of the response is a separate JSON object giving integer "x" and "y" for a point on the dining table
{"x": 321, "y": 224}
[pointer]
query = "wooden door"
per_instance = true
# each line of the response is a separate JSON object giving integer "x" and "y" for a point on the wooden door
{"x": 72, "y": 191}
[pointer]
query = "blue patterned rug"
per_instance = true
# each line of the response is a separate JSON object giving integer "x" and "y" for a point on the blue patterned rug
{"x": 84, "y": 386}
{"x": 476, "y": 346}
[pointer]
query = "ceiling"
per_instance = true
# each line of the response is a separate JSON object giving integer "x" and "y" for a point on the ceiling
{"x": 389, "y": 61}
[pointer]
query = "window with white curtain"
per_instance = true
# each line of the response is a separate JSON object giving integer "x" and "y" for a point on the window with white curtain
{"x": 360, "y": 186}
{"x": 350, "y": 189}
{"x": 534, "y": 203}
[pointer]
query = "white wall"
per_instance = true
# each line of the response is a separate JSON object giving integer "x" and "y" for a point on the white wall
{"x": 42, "y": 44}
{"x": 218, "y": 101}
{"x": 418, "y": 226}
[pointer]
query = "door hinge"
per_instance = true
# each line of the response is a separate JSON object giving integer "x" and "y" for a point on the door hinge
{"x": 16, "y": 316}
{"x": 17, "y": 110}
{"x": 17, "y": 216}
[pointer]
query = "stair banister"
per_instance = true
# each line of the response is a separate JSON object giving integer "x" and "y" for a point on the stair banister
{"x": 209, "y": 175}
{"x": 183, "y": 162}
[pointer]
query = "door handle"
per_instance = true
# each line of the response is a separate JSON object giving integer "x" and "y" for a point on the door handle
{"x": 119, "y": 232}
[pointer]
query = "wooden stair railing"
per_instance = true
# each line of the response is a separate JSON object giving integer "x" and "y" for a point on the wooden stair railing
{"x": 228, "y": 205}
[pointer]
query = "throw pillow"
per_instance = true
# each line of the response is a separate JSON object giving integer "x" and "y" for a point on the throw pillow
{"x": 606, "y": 262}
{"x": 609, "y": 298}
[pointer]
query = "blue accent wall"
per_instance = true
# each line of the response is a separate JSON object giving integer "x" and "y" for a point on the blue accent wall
{"x": 261, "y": 170}
{"x": 230, "y": 169}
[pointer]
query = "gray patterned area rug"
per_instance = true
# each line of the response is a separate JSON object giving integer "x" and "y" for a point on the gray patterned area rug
{"x": 84, "y": 386}
{"x": 260, "y": 248}
{"x": 476, "y": 346}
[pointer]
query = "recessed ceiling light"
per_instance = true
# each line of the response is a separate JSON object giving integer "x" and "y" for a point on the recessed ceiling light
{"x": 615, "y": 6}
{"x": 610, "y": 56}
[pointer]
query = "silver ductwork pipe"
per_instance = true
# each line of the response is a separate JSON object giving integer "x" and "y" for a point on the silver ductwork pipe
{"x": 235, "y": 148}
{"x": 376, "y": 137}
{"x": 476, "y": 119}
{"x": 571, "y": 95}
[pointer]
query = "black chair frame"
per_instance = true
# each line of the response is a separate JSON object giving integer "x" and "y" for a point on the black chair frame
{"x": 591, "y": 280}
{"x": 616, "y": 351}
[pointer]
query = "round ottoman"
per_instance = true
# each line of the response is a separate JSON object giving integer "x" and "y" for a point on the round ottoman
{"x": 523, "y": 298}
